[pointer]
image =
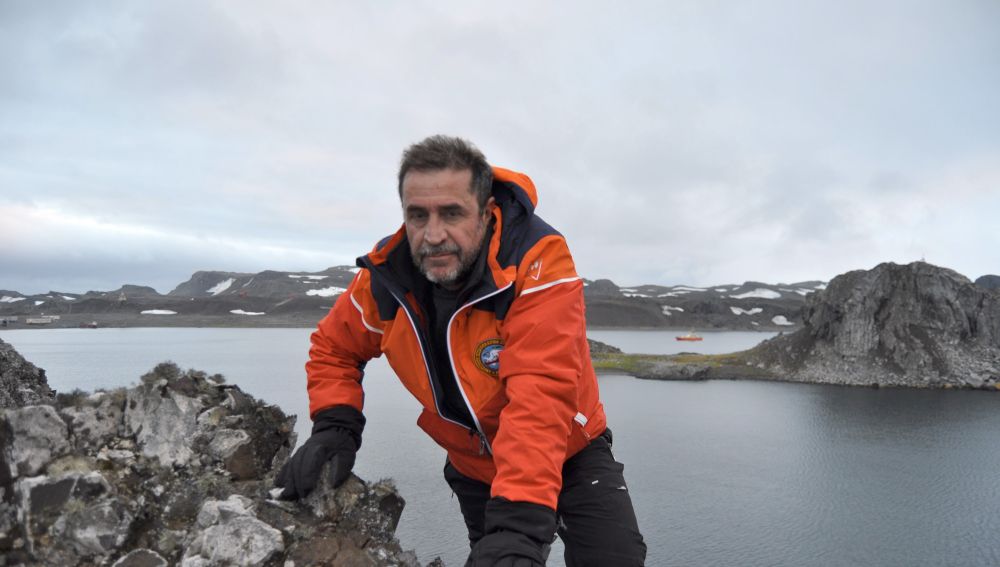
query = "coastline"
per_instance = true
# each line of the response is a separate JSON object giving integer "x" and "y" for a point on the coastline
{"x": 289, "y": 320}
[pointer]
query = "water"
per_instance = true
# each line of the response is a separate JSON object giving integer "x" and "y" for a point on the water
{"x": 722, "y": 473}
{"x": 664, "y": 342}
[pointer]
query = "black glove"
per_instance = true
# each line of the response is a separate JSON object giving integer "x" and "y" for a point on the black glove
{"x": 336, "y": 437}
{"x": 518, "y": 534}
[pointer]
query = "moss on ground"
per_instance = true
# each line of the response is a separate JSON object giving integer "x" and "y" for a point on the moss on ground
{"x": 631, "y": 363}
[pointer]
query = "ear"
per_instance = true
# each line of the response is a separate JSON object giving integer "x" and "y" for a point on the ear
{"x": 488, "y": 209}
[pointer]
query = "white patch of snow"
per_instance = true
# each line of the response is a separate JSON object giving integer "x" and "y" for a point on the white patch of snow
{"x": 242, "y": 312}
{"x": 68, "y": 298}
{"x": 158, "y": 312}
{"x": 803, "y": 291}
{"x": 741, "y": 311}
{"x": 821, "y": 286}
{"x": 9, "y": 299}
{"x": 635, "y": 295}
{"x": 38, "y": 302}
{"x": 297, "y": 276}
{"x": 626, "y": 289}
{"x": 781, "y": 320}
{"x": 250, "y": 281}
{"x": 667, "y": 309}
{"x": 758, "y": 293}
{"x": 673, "y": 293}
{"x": 356, "y": 269}
{"x": 755, "y": 323}
{"x": 327, "y": 291}
{"x": 786, "y": 289}
{"x": 221, "y": 286}
{"x": 721, "y": 289}
{"x": 688, "y": 288}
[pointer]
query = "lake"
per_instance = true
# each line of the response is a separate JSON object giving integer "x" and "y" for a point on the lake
{"x": 721, "y": 472}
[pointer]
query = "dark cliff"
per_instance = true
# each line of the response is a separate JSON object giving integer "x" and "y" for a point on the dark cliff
{"x": 21, "y": 382}
{"x": 913, "y": 325}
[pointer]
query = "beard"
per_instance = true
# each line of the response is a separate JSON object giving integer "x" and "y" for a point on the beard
{"x": 458, "y": 274}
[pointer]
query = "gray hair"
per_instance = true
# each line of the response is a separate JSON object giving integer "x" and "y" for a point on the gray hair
{"x": 447, "y": 152}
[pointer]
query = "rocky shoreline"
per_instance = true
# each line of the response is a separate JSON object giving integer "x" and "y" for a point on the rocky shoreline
{"x": 177, "y": 470}
{"x": 918, "y": 326}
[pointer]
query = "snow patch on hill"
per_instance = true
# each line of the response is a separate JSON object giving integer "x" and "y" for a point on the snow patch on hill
{"x": 220, "y": 287}
{"x": 327, "y": 291}
{"x": 759, "y": 293}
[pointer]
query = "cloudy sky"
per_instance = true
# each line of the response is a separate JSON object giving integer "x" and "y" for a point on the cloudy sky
{"x": 672, "y": 142}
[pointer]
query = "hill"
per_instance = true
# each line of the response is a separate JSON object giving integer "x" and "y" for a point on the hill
{"x": 300, "y": 299}
{"x": 916, "y": 325}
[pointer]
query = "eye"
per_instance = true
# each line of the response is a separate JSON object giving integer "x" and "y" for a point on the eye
{"x": 452, "y": 214}
{"x": 416, "y": 216}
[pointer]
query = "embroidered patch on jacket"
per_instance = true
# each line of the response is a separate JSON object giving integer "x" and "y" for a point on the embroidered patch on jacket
{"x": 488, "y": 356}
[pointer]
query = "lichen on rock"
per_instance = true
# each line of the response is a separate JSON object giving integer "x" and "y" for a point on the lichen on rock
{"x": 175, "y": 470}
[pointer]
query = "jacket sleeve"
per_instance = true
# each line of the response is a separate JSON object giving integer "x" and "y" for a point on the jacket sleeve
{"x": 540, "y": 365}
{"x": 346, "y": 338}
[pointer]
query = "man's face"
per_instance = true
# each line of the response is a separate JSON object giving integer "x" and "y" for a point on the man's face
{"x": 443, "y": 223}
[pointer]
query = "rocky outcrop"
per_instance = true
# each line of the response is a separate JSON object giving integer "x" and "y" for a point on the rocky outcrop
{"x": 21, "y": 382}
{"x": 597, "y": 347}
{"x": 914, "y": 325}
{"x": 988, "y": 282}
{"x": 175, "y": 471}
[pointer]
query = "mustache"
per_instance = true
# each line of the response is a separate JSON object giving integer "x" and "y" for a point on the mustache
{"x": 428, "y": 250}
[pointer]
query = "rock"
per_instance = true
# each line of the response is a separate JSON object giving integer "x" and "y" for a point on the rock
{"x": 988, "y": 282}
{"x": 597, "y": 347}
{"x": 232, "y": 447}
{"x": 232, "y": 535}
{"x": 176, "y": 470}
{"x": 74, "y": 515}
{"x": 21, "y": 382}
{"x": 915, "y": 325}
{"x": 36, "y": 435}
{"x": 95, "y": 421}
{"x": 141, "y": 558}
{"x": 162, "y": 419}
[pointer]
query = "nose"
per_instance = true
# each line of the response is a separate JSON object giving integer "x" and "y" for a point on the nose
{"x": 434, "y": 232}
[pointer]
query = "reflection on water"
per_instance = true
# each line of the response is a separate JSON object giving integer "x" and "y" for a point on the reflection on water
{"x": 722, "y": 472}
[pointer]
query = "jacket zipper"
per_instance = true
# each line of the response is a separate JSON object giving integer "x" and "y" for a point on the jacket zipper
{"x": 423, "y": 356}
{"x": 484, "y": 445}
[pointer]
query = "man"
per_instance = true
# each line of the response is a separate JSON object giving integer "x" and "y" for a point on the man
{"x": 477, "y": 306}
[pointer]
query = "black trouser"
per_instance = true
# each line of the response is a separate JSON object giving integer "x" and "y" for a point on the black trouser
{"x": 596, "y": 520}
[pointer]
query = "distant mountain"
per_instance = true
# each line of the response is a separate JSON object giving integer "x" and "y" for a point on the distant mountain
{"x": 301, "y": 298}
{"x": 750, "y": 306}
{"x": 989, "y": 282}
{"x": 269, "y": 283}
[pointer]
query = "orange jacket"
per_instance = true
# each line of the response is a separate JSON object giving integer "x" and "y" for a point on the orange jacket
{"x": 517, "y": 347}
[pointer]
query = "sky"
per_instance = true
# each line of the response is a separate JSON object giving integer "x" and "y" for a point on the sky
{"x": 671, "y": 142}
